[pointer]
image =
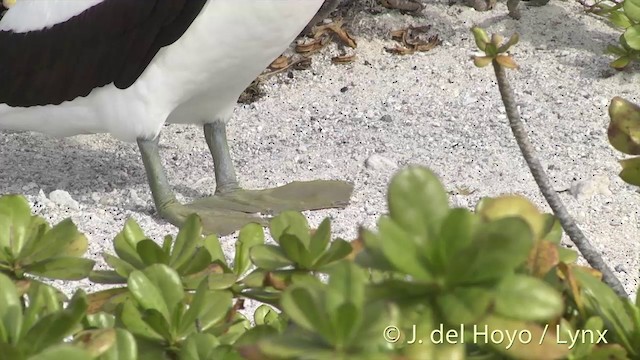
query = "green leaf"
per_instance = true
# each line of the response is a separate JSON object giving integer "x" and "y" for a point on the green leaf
{"x": 620, "y": 63}
{"x": 108, "y": 299}
{"x": 552, "y": 229}
{"x": 196, "y": 308}
{"x": 10, "y": 311}
{"x": 200, "y": 347}
{"x": 601, "y": 300}
{"x": 457, "y": 233}
{"x": 62, "y": 352}
{"x": 212, "y": 244}
{"x": 292, "y": 223}
{"x": 266, "y": 315}
{"x": 15, "y": 221}
{"x": 131, "y": 318}
{"x": 199, "y": 263}
{"x": 465, "y": 305}
{"x": 221, "y": 281}
{"x": 126, "y": 241}
{"x": 62, "y": 268}
{"x": 338, "y": 250}
{"x": 302, "y": 303}
{"x": 401, "y": 250}
{"x": 250, "y": 235}
{"x": 159, "y": 324}
{"x": 125, "y": 347}
{"x": 632, "y": 37}
{"x": 616, "y": 50}
{"x": 43, "y": 300}
{"x": 215, "y": 309}
{"x": 61, "y": 238}
{"x": 147, "y": 293}
{"x": 523, "y": 297}
{"x": 631, "y": 9}
{"x": 498, "y": 248}
{"x": 120, "y": 266}
{"x": 151, "y": 253}
{"x": 481, "y": 37}
{"x": 348, "y": 280}
{"x": 295, "y": 250}
{"x": 96, "y": 341}
{"x": 269, "y": 257}
{"x": 620, "y": 19}
{"x": 188, "y": 239}
{"x": 320, "y": 239}
{"x": 106, "y": 277}
{"x": 624, "y": 126}
{"x": 346, "y": 320}
{"x": 53, "y": 328}
{"x": 417, "y": 200}
{"x": 630, "y": 171}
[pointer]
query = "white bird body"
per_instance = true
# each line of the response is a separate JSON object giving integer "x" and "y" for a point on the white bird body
{"x": 127, "y": 67}
{"x": 195, "y": 80}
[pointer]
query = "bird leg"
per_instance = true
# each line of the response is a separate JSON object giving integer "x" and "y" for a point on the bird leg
{"x": 217, "y": 220}
{"x": 231, "y": 207}
{"x": 298, "y": 196}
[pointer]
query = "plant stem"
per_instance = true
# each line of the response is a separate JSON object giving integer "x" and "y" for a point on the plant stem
{"x": 570, "y": 227}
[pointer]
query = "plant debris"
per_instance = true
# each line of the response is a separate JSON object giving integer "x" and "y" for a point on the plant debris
{"x": 322, "y": 35}
{"x": 411, "y": 40}
{"x": 404, "y": 6}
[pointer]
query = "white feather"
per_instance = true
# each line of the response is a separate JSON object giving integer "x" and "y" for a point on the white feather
{"x": 30, "y": 15}
{"x": 196, "y": 80}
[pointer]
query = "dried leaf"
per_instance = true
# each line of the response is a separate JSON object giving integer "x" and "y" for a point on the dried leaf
{"x": 403, "y": 5}
{"x": 344, "y": 59}
{"x": 399, "y": 50}
{"x": 564, "y": 273}
{"x": 311, "y": 46}
{"x": 506, "y": 61}
{"x": 280, "y": 63}
{"x": 542, "y": 258}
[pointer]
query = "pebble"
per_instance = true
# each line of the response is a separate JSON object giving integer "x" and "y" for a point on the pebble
{"x": 386, "y": 118}
{"x": 586, "y": 189}
{"x": 135, "y": 199}
{"x": 30, "y": 186}
{"x": 63, "y": 198}
{"x": 379, "y": 162}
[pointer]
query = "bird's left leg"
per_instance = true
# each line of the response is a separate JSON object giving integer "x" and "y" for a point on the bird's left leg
{"x": 299, "y": 196}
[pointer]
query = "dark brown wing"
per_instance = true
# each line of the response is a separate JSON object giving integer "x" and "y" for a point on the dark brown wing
{"x": 111, "y": 42}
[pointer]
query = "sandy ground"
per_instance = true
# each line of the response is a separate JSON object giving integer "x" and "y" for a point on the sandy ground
{"x": 434, "y": 109}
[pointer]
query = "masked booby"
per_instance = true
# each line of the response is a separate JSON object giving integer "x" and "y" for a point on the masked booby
{"x": 122, "y": 67}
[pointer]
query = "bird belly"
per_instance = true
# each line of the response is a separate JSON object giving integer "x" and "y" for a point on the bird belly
{"x": 248, "y": 36}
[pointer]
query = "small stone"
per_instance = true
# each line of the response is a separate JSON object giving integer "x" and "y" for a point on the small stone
{"x": 386, "y": 118}
{"x": 468, "y": 100}
{"x": 619, "y": 268}
{"x": 135, "y": 198}
{"x": 379, "y": 162}
{"x": 29, "y": 186}
{"x": 585, "y": 189}
{"x": 96, "y": 197}
{"x": 63, "y": 198}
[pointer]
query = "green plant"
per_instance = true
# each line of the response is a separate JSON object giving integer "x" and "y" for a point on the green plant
{"x": 402, "y": 281}
{"x": 497, "y": 55}
{"x": 624, "y": 136}
{"x": 625, "y": 15}
{"x": 30, "y": 246}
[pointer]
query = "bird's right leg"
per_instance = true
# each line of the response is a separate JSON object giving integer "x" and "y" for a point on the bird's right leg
{"x": 218, "y": 219}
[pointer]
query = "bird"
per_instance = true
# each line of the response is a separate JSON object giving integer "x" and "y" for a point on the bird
{"x": 127, "y": 68}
